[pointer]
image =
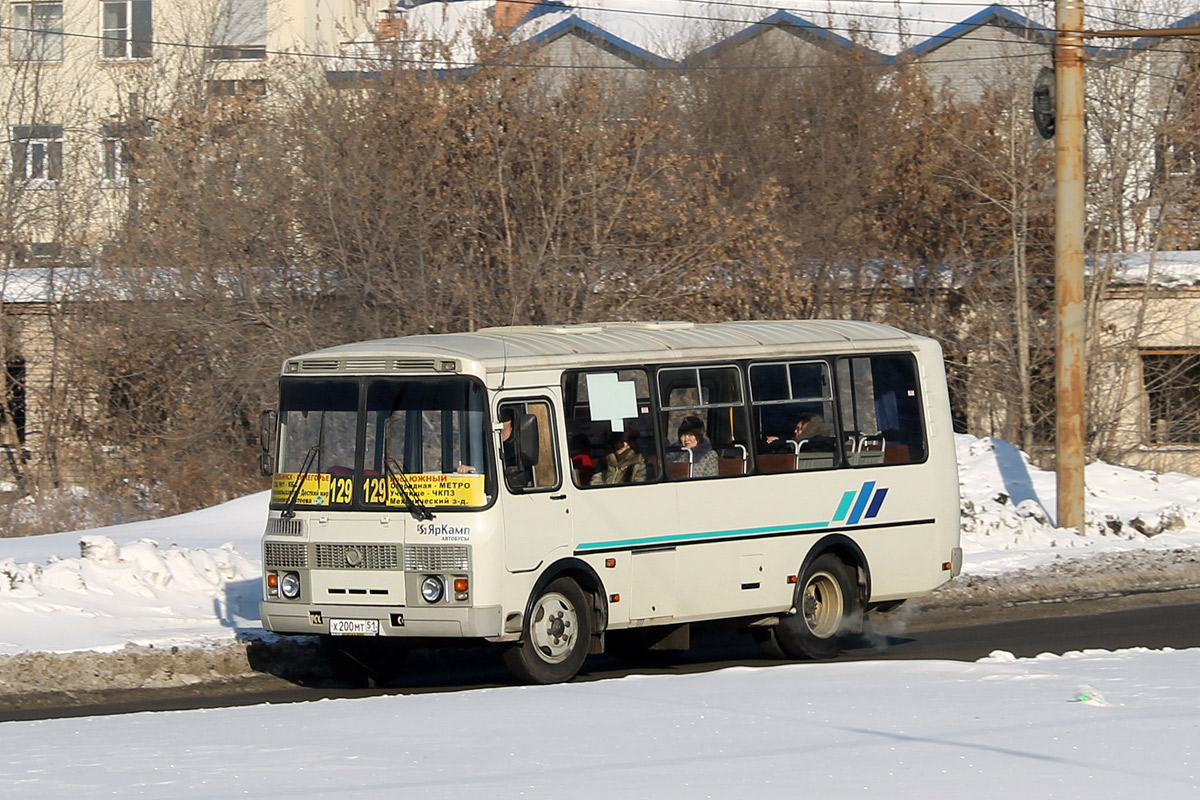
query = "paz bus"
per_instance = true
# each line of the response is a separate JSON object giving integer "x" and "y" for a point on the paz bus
{"x": 560, "y": 490}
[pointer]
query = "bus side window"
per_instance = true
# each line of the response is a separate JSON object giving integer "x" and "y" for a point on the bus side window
{"x": 604, "y": 406}
{"x": 794, "y": 416}
{"x": 880, "y": 404}
{"x": 704, "y": 421}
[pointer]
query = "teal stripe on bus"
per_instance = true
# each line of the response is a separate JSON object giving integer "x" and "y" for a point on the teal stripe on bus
{"x": 844, "y": 507}
{"x": 691, "y": 537}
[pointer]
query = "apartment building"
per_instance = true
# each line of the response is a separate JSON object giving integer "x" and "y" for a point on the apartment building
{"x": 78, "y": 78}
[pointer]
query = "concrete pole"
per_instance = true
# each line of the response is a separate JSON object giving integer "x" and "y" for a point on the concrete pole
{"x": 1068, "y": 273}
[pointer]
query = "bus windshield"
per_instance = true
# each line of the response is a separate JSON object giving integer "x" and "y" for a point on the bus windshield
{"x": 382, "y": 443}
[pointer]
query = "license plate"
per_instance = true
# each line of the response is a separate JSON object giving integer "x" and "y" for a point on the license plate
{"x": 353, "y": 627}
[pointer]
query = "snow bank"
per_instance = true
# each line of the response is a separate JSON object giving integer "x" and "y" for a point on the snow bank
{"x": 137, "y": 592}
{"x": 1008, "y": 509}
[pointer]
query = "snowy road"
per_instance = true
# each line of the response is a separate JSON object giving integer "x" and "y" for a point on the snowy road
{"x": 1168, "y": 620}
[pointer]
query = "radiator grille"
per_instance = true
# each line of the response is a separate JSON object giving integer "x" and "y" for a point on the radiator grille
{"x": 285, "y": 555}
{"x": 319, "y": 365}
{"x": 415, "y": 365}
{"x": 285, "y": 527}
{"x": 357, "y": 556}
{"x": 366, "y": 364}
{"x": 429, "y": 557}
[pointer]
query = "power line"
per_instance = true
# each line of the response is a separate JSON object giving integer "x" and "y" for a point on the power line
{"x": 394, "y": 58}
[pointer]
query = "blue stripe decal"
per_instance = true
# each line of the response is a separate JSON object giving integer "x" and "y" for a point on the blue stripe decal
{"x": 876, "y": 502}
{"x": 844, "y": 507}
{"x": 690, "y": 537}
{"x": 864, "y": 495}
{"x": 853, "y": 507}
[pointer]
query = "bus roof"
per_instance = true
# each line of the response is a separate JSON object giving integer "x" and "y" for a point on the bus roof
{"x": 562, "y": 346}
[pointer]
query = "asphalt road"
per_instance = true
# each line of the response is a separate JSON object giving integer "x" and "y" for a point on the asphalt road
{"x": 1173, "y": 620}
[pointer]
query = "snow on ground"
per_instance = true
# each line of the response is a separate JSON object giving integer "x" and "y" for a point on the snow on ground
{"x": 1082, "y": 725}
{"x": 1008, "y": 507}
{"x": 1076, "y": 725}
{"x": 188, "y": 579}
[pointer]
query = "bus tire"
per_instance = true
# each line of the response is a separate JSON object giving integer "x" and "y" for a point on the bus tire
{"x": 555, "y": 636}
{"x": 825, "y": 610}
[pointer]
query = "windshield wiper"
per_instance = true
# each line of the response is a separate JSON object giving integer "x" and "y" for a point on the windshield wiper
{"x": 396, "y": 472}
{"x": 289, "y": 508}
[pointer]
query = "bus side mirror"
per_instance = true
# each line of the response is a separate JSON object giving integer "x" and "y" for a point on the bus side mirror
{"x": 266, "y": 432}
{"x": 527, "y": 439}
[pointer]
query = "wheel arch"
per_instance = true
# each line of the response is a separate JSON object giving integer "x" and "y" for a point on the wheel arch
{"x": 850, "y": 554}
{"x": 589, "y": 582}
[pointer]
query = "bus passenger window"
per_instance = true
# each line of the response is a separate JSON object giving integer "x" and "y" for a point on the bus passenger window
{"x": 704, "y": 412}
{"x": 880, "y": 403}
{"x": 794, "y": 416}
{"x": 610, "y": 427}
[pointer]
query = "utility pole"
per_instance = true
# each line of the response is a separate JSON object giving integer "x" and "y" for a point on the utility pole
{"x": 1068, "y": 261}
{"x": 1070, "y": 213}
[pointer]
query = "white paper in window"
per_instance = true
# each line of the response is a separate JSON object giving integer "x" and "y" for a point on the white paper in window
{"x": 611, "y": 399}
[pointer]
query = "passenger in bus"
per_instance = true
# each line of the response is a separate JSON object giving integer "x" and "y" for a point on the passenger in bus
{"x": 516, "y": 475}
{"x": 811, "y": 433}
{"x": 692, "y": 439}
{"x": 581, "y": 459}
{"x": 622, "y": 465}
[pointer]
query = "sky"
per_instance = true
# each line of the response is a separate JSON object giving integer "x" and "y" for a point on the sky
{"x": 1092, "y": 724}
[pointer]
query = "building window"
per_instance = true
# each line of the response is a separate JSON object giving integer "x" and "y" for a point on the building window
{"x": 37, "y": 32}
{"x": 127, "y": 29}
{"x": 241, "y": 31}
{"x": 37, "y": 155}
{"x": 253, "y": 87}
{"x": 1169, "y": 379}
{"x": 12, "y": 409}
{"x": 237, "y": 53}
{"x": 115, "y": 153}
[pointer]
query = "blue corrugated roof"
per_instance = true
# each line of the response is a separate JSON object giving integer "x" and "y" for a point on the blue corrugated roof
{"x": 991, "y": 15}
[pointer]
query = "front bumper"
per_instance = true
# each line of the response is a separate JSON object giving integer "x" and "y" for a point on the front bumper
{"x": 465, "y": 623}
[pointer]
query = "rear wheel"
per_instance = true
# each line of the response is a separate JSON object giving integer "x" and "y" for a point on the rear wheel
{"x": 826, "y": 607}
{"x": 556, "y": 635}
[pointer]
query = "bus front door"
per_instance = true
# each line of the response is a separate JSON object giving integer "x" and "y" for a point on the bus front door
{"x": 536, "y": 509}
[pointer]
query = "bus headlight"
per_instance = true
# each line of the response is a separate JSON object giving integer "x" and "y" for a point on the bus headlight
{"x": 289, "y": 585}
{"x": 432, "y": 588}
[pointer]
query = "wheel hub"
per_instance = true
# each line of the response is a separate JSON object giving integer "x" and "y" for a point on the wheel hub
{"x": 557, "y": 627}
{"x": 821, "y": 605}
{"x": 553, "y": 630}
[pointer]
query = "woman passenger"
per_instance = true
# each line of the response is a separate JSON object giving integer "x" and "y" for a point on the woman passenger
{"x": 622, "y": 465}
{"x": 692, "y": 438}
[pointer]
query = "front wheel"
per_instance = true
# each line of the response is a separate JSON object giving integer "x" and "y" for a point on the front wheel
{"x": 826, "y": 607}
{"x": 556, "y": 635}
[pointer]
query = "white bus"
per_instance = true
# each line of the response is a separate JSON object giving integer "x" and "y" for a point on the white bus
{"x": 553, "y": 489}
